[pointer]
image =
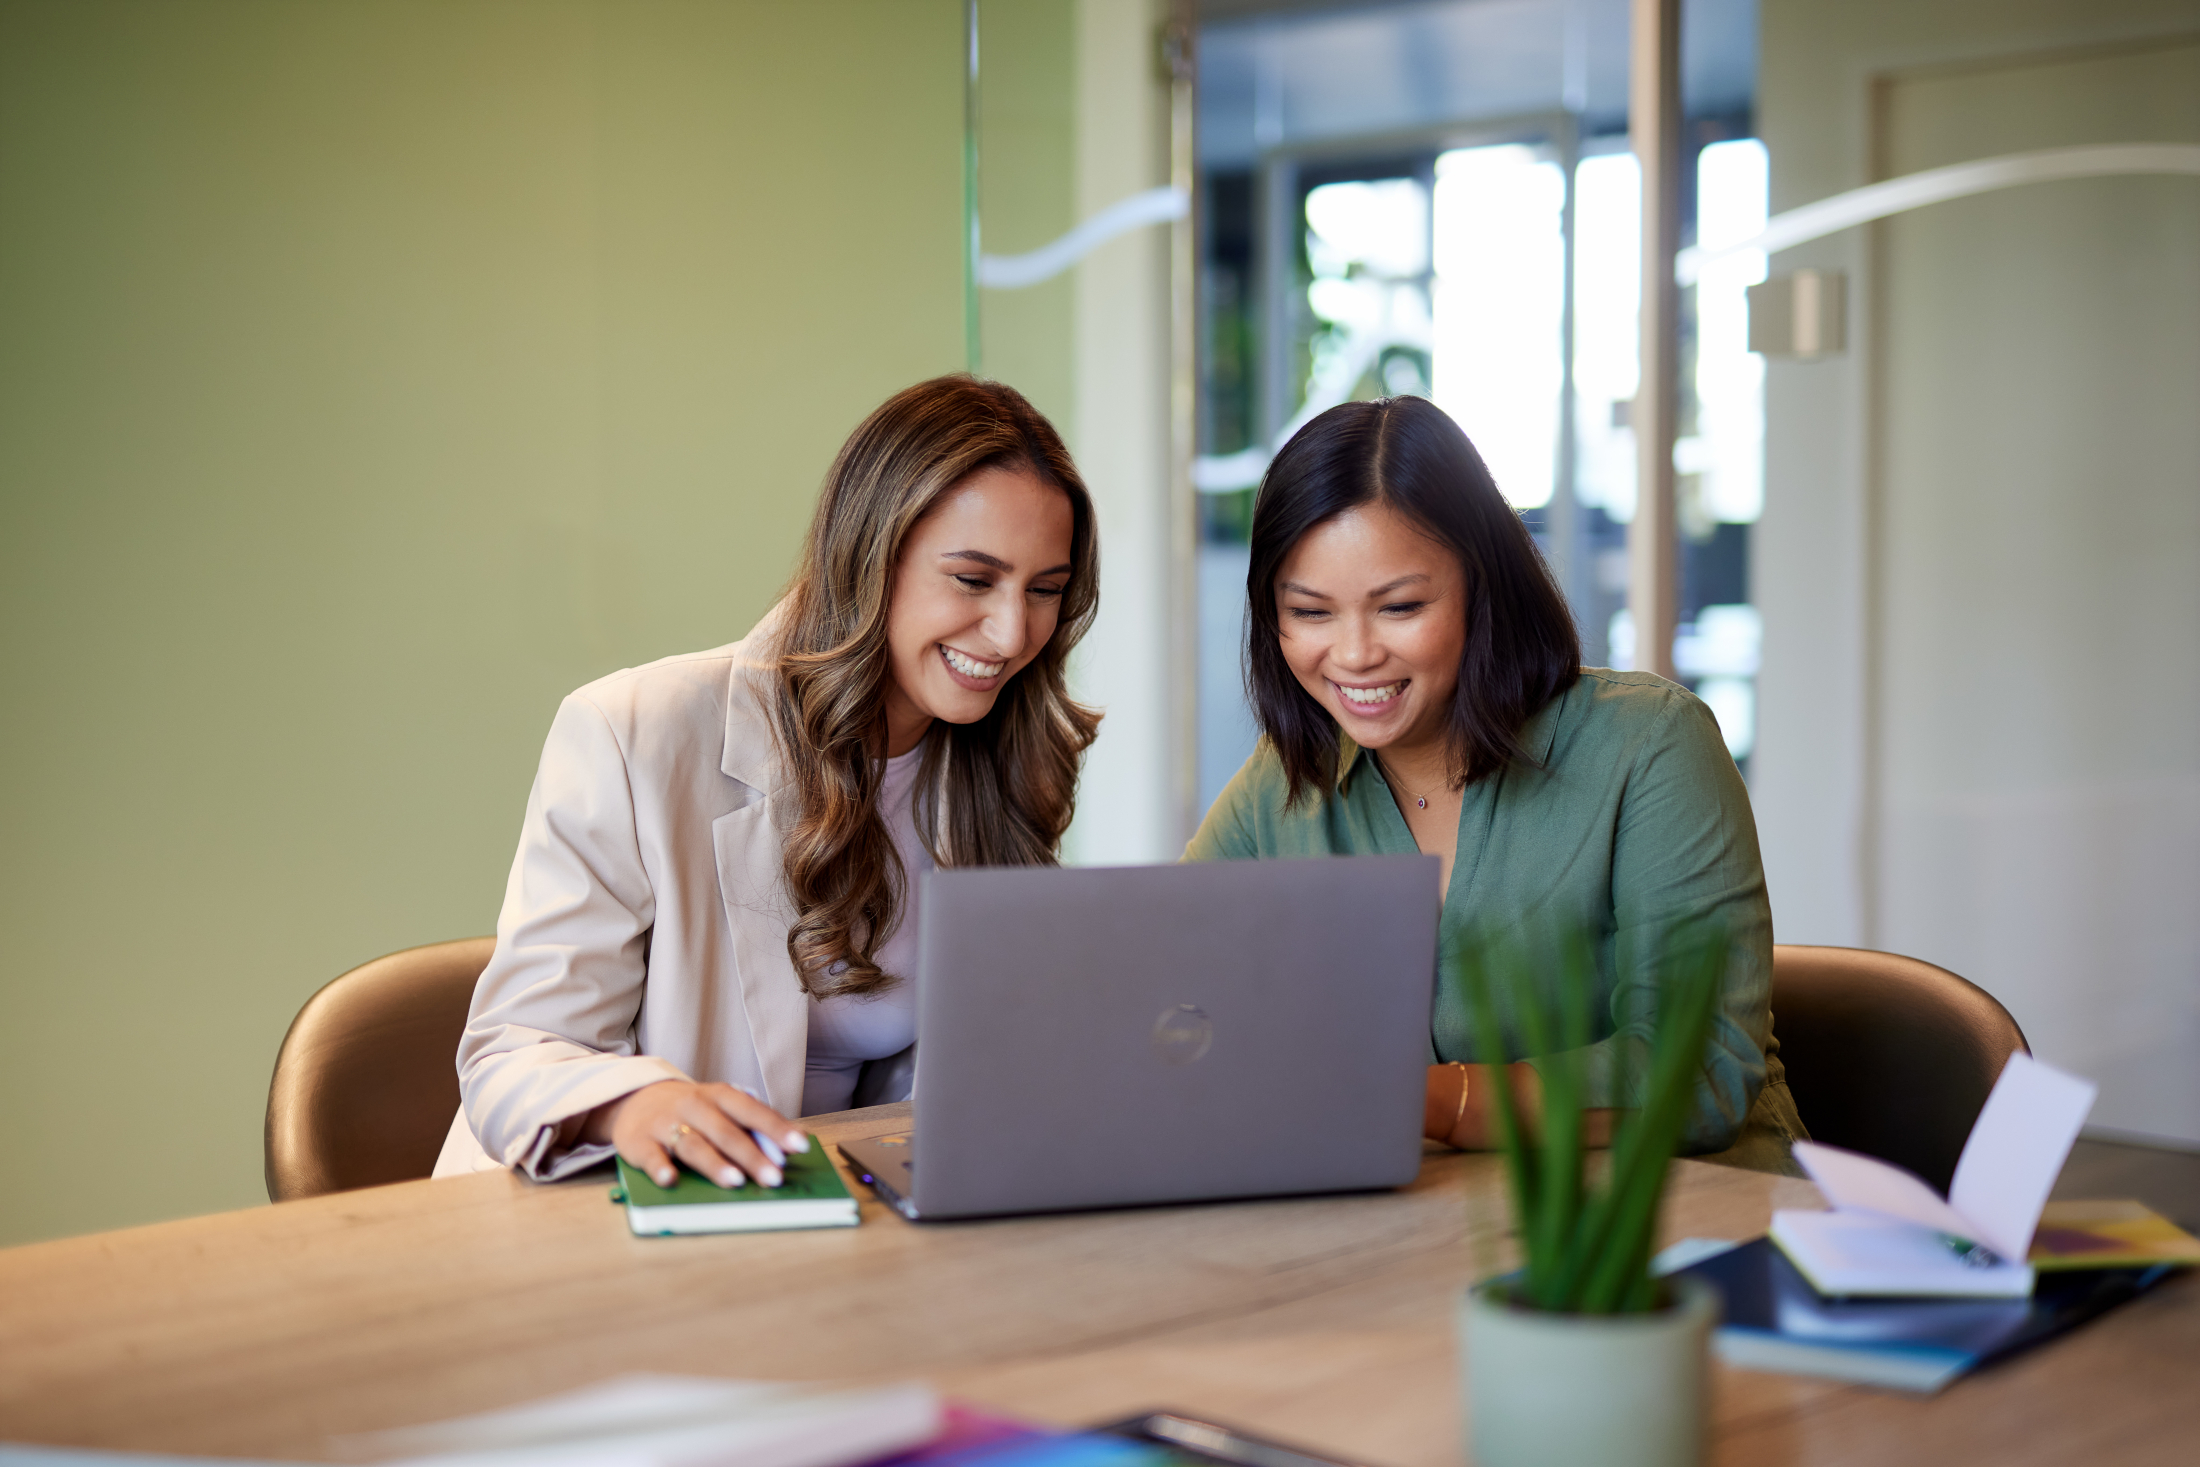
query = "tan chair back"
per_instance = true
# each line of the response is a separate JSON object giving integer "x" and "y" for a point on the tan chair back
{"x": 366, "y": 1082}
{"x": 1888, "y": 1055}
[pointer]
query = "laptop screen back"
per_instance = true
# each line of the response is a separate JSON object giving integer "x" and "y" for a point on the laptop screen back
{"x": 1106, "y": 1036}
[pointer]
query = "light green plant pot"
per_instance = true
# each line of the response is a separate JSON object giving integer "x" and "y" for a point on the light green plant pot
{"x": 1587, "y": 1390}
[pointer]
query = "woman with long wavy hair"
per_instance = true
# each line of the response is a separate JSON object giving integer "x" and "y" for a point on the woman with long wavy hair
{"x": 710, "y": 927}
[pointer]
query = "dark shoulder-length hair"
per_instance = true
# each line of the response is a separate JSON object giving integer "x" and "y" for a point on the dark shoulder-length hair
{"x": 1521, "y": 650}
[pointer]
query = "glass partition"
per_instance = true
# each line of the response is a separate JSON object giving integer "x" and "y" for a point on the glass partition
{"x": 1462, "y": 224}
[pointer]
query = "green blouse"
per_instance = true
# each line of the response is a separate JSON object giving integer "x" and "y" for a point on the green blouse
{"x": 1635, "y": 820}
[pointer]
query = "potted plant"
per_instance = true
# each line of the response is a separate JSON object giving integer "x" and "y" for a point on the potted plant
{"x": 1580, "y": 1355}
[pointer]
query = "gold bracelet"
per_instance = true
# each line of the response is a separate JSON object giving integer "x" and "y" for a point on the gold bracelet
{"x": 1461, "y": 1113}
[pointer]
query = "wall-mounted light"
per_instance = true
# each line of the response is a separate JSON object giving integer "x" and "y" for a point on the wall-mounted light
{"x": 1803, "y": 315}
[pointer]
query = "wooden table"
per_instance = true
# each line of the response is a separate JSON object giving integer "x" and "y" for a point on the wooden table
{"x": 1326, "y": 1321}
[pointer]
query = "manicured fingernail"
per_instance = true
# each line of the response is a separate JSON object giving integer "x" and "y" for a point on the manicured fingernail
{"x": 730, "y": 1177}
{"x": 796, "y": 1141}
{"x": 665, "y": 1176}
{"x": 770, "y": 1148}
{"x": 770, "y": 1176}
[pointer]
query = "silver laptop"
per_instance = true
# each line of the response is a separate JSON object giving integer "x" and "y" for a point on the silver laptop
{"x": 1103, "y": 1037}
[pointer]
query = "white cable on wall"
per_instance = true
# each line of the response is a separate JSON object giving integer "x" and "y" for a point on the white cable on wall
{"x": 1936, "y": 185}
{"x": 1162, "y": 205}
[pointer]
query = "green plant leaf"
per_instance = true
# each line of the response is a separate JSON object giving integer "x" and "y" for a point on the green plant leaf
{"x": 1519, "y": 1165}
{"x": 1690, "y": 968}
{"x": 1587, "y": 1250}
{"x": 1562, "y": 1140}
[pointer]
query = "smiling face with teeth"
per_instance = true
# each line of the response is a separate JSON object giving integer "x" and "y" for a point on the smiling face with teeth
{"x": 1372, "y": 616}
{"x": 977, "y": 594}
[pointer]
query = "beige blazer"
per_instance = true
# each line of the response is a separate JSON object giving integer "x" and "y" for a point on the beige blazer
{"x": 644, "y": 930}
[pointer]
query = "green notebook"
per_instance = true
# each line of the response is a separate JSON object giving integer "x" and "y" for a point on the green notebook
{"x": 812, "y": 1196}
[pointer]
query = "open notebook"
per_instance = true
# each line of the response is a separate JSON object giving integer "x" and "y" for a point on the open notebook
{"x": 1891, "y": 1234}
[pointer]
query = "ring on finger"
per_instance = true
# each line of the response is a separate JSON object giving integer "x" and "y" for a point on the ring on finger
{"x": 680, "y": 1133}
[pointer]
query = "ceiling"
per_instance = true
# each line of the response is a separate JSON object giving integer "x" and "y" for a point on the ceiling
{"x": 1295, "y": 73}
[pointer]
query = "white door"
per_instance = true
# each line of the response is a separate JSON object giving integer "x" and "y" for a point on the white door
{"x": 2036, "y": 720}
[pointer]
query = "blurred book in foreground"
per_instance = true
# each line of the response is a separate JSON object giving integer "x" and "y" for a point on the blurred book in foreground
{"x": 2117, "y": 1234}
{"x": 674, "y": 1421}
{"x": 1774, "y": 1320}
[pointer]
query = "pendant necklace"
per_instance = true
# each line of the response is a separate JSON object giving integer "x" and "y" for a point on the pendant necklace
{"x": 1420, "y": 801}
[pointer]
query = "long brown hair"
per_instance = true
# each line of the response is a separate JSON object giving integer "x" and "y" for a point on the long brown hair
{"x": 997, "y": 792}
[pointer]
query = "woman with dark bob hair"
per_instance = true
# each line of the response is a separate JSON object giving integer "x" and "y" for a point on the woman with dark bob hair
{"x": 1419, "y": 686}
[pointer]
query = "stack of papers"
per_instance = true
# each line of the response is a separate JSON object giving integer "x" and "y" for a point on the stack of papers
{"x": 675, "y": 1421}
{"x": 680, "y": 1421}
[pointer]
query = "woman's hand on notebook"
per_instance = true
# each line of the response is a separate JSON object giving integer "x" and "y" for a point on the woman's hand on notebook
{"x": 717, "y": 1131}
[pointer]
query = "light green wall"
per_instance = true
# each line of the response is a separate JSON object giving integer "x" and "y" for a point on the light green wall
{"x": 1027, "y": 179}
{"x": 371, "y": 374}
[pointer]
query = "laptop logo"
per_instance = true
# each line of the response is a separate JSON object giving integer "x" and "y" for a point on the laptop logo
{"x": 1182, "y": 1034}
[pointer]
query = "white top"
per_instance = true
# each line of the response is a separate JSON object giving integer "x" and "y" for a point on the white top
{"x": 844, "y": 1032}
